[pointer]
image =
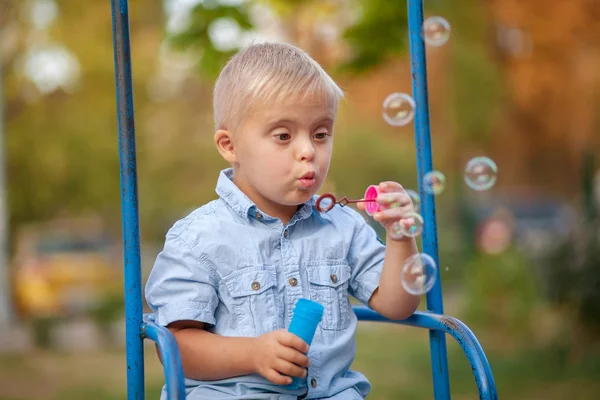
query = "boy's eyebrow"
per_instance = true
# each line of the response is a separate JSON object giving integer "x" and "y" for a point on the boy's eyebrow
{"x": 286, "y": 121}
{"x": 283, "y": 121}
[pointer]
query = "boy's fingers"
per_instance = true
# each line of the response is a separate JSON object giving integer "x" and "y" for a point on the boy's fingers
{"x": 290, "y": 340}
{"x": 407, "y": 222}
{"x": 390, "y": 186}
{"x": 289, "y": 369}
{"x": 277, "y": 378}
{"x": 392, "y": 213}
{"x": 294, "y": 356}
{"x": 394, "y": 199}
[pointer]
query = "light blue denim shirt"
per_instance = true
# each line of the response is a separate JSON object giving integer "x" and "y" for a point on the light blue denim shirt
{"x": 240, "y": 271}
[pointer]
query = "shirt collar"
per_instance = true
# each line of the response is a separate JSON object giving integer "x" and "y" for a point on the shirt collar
{"x": 244, "y": 207}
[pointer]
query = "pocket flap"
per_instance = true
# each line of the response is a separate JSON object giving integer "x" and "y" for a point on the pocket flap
{"x": 329, "y": 275}
{"x": 250, "y": 281}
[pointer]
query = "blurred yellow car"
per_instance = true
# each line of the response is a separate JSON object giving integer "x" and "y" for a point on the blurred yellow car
{"x": 64, "y": 268}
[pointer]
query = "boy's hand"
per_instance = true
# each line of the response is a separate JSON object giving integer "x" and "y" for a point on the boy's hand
{"x": 395, "y": 204}
{"x": 278, "y": 355}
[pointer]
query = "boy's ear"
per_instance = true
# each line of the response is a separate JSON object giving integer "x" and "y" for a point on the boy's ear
{"x": 224, "y": 142}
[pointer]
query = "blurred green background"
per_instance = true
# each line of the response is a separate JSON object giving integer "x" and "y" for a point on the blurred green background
{"x": 519, "y": 82}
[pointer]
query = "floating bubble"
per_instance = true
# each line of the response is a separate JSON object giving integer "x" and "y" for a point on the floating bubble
{"x": 434, "y": 182}
{"x": 410, "y": 226}
{"x": 398, "y": 109}
{"x": 419, "y": 274}
{"x": 436, "y": 31}
{"x": 396, "y": 231}
{"x": 481, "y": 173}
{"x": 415, "y": 198}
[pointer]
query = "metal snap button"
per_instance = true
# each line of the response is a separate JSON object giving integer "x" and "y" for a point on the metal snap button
{"x": 313, "y": 382}
{"x": 285, "y": 233}
{"x": 255, "y": 285}
{"x": 334, "y": 278}
{"x": 259, "y": 216}
{"x": 293, "y": 281}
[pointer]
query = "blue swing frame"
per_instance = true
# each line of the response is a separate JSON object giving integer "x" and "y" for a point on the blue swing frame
{"x": 139, "y": 328}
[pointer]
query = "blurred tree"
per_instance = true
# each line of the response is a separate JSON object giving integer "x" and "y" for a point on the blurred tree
{"x": 197, "y": 33}
{"x": 62, "y": 155}
{"x": 549, "y": 55}
{"x": 373, "y": 30}
{"x": 570, "y": 270}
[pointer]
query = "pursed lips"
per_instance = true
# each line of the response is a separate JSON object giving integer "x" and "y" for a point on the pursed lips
{"x": 308, "y": 179}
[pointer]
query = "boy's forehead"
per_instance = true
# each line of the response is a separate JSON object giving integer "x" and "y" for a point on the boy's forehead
{"x": 320, "y": 106}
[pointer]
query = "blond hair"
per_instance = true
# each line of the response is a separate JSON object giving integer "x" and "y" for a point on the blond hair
{"x": 268, "y": 72}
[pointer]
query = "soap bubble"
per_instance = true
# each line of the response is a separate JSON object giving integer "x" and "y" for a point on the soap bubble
{"x": 436, "y": 31}
{"x": 481, "y": 173}
{"x": 434, "y": 182}
{"x": 396, "y": 232}
{"x": 411, "y": 225}
{"x": 415, "y": 198}
{"x": 419, "y": 274}
{"x": 398, "y": 109}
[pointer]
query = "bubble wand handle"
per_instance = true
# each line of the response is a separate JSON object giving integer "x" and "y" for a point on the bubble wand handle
{"x": 344, "y": 200}
{"x": 307, "y": 316}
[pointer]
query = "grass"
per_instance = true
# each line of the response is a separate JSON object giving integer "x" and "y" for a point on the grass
{"x": 394, "y": 358}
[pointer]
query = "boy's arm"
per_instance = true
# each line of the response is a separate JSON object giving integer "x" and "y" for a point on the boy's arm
{"x": 390, "y": 299}
{"x": 206, "y": 356}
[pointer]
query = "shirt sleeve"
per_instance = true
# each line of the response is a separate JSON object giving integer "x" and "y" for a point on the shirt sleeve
{"x": 365, "y": 256}
{"x": 181, "y": 286}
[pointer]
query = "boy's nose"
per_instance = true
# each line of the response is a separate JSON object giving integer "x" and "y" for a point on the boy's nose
{"x": 306, "y": 151}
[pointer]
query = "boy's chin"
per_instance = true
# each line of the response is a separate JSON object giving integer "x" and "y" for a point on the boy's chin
{"x": 298, "y": 199}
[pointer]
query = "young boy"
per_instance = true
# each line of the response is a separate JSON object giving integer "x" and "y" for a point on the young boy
{"x": 230, "y": 273}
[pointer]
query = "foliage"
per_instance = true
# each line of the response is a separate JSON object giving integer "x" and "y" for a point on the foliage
{"x": 477, "y": 85}
{"x": 571, "y": 268}
{"x": 379, "y": 34}
{"x": 196, "y": 36}
{"x": 501, "y": 294}
{"x": 108, "y": 310}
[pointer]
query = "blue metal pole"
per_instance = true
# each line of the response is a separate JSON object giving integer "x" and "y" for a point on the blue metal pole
{"x": 437, "y": 339}
{"x": 129, "y": 201}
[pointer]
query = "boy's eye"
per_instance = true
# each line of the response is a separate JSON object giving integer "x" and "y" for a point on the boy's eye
{"x": 321, "y": 135}
{"x": 283, "y": 136}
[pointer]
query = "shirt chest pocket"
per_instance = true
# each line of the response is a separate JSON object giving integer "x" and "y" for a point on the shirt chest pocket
{"x": 329, "y": 286}
{"x": 253, "y": 303}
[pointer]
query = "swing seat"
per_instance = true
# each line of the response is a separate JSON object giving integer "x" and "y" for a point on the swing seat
{"x": 169, "y": 352}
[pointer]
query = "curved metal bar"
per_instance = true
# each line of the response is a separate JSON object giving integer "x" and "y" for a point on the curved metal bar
{"x": 169, "y": 354}
{"x": 475, "y": 343}
{"x": 459, "y": 331}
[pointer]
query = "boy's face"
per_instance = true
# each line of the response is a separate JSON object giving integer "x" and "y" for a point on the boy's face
{"x": 282, "y": 153}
